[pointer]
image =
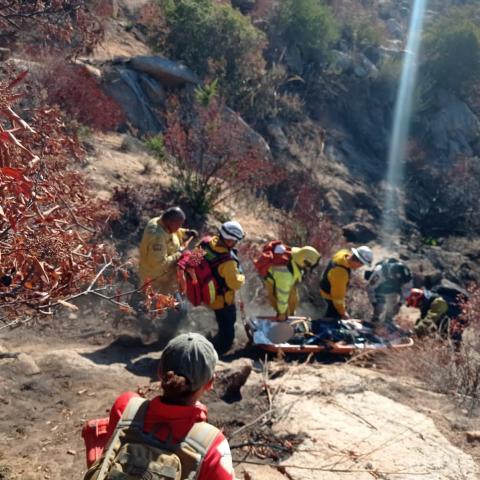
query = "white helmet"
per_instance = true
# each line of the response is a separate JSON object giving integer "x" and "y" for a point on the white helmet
{"x": 231, "y": 230}
{"x": 364, "y": 255}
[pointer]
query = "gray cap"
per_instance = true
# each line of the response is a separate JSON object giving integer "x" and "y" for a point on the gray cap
{"x": 192, "y": 356}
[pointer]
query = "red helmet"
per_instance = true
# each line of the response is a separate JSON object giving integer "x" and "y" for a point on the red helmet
{"x": 415, "y": 298}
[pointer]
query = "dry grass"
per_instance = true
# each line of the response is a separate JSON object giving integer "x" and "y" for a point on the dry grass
{"x": 441, "y": 367}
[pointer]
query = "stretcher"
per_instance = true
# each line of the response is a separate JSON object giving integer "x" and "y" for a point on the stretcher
{"x": 299, "y": 335}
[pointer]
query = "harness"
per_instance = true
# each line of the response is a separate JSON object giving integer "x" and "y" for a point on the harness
{"x": 325, "y": 282}
{"x": 215, "y": 259}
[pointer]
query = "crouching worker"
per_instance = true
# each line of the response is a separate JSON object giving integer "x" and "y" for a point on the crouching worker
{"x": 440, "y": 310}
{"x": 282, "y": 268}
{"x": 336, "y": 278}
{"x": 222, "y": 256}
{"x": 168, "y": 436}
{"x": 389, "y": 283}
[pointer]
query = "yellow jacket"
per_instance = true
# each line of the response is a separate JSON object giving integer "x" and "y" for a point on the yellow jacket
{"x": 435, "y": 316}
{"x": 229, "y": 271}
{"x": 281, "y": 284}
{"x": 159, "y": 253}
{"x": 335, "y": 280}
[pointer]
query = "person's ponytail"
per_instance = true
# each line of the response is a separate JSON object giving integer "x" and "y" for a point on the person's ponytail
{"x": 176, "y": 389}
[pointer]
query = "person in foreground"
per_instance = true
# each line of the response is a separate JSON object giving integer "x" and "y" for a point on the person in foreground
{"x": 172, "y": 438}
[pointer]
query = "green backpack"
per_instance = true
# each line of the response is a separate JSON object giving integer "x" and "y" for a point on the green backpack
{"x": 133, "y": 454}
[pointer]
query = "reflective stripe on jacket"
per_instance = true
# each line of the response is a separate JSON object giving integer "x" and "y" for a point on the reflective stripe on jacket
{"x": 284, "y": 279}
{"x": 335, "y": 280}
{"x": 159, "y": 253}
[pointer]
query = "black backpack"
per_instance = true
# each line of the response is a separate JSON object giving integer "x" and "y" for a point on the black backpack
{"x": 454, "y": 295}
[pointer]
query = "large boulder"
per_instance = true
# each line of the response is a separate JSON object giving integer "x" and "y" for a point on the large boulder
{"x": 126, "y": 87}
{"x": 454, "y": 129}
{"x": 168, "y": 72}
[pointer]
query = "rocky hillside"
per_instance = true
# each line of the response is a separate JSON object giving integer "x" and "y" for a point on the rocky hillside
{"x": 324, "y": 113}
{"x": 283, "y": 109}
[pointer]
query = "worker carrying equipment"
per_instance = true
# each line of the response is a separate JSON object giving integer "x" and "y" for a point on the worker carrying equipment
{"x": 389, "y": 284}
{"x": 336, "y": 278}
{"x": 283, "y": 267}
{"x": 160, "y": 249}
{"x": 223, "y": 277}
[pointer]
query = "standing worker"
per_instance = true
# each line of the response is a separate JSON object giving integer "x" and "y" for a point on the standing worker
{"x": 161, "y": 246}
{"x": 162, "y": 243}
{"x": 221, "y": 254}
{"x": 282, "y": 277}
{"x": 336, "y": 277}
{"x": 389, "y": 283}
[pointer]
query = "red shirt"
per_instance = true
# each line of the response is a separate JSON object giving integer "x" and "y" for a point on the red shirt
{"x": 217, "y": 464}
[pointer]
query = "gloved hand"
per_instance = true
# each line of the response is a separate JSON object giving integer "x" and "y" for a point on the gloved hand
{"x": 191, "y": 233}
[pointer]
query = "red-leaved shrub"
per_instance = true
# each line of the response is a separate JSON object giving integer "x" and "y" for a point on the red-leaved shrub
{"x": 214, "y": 155}
{"x": 68, "y": 27}
{"x": 48, "y": 223}
{"x": 79, "y": 94}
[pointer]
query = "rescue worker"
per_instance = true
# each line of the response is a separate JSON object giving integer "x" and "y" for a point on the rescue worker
{"x": 440, "y": 310}
{"x": 433, "y": 311}
{"x": 230, "y": 278}
{"x": 282, "y": 280}
{"x": 162, "y": 244}
{"x": 389, "y": 284}
{"x": 336, "y": 277}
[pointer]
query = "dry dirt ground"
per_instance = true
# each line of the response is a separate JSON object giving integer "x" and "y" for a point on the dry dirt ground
{"x": 312, "y": 421}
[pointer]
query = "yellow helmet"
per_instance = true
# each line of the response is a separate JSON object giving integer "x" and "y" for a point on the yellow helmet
{"x": 305, "y": 257}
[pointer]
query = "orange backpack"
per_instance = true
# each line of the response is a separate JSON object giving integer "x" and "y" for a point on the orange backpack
{"x": 269, "y": 258}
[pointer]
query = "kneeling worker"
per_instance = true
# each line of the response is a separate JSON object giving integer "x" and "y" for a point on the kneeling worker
{"x": 440, "y": 310}
{"x": 336, "y": 278}
{"x": 281, "y": 280}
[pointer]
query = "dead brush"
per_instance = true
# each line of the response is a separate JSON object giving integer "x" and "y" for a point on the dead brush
{"x": 439, "y": 366}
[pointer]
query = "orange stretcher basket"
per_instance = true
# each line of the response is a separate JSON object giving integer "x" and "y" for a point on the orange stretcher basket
{"x": 273, "y": 336}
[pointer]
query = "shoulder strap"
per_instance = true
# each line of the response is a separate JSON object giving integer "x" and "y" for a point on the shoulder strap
{"x": 134, "y": 414}
{"x": 200, "y": 438}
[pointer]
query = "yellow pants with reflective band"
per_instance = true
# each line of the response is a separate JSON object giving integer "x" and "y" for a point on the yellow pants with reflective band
{"x": 292, "y": 299}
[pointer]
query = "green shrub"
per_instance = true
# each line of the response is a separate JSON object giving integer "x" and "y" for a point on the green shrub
{"x": 157, "y": 145}
{"x": 215, "y": 41}
{"x": 452, "y": 51}
{"x": 307, "y": 24}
